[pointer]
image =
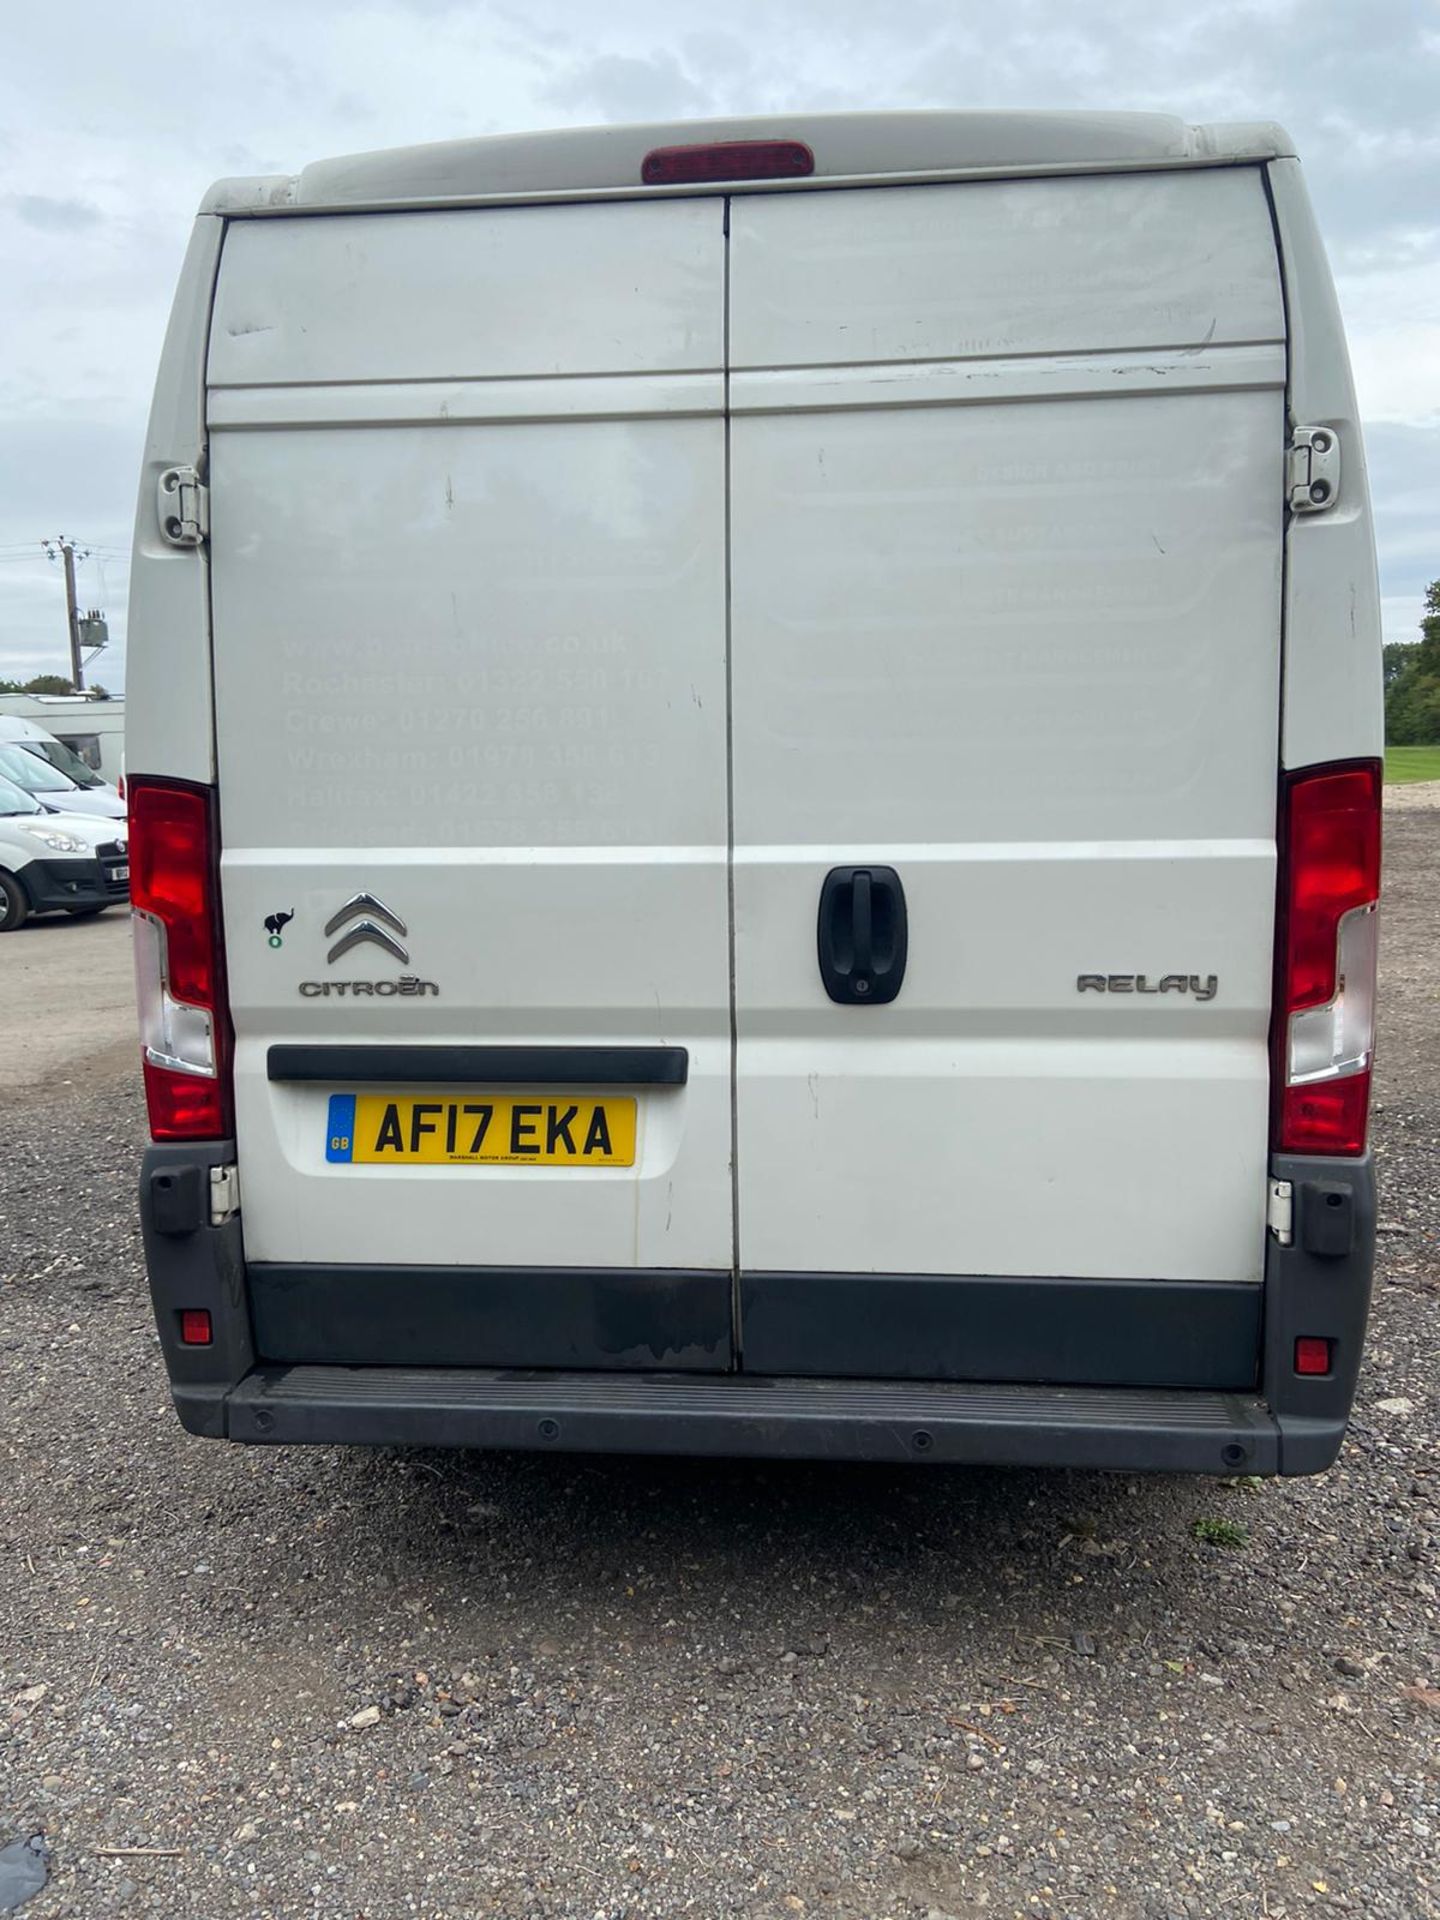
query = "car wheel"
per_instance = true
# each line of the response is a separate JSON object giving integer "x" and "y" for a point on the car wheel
{"x": 14, "y": 905}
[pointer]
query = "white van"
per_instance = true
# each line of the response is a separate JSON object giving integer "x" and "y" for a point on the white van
{"x": 754, "y": 773}
{"x": 28, "y": 765}
{"x": 93, "y": 729}
{"x": 44, "y": 746}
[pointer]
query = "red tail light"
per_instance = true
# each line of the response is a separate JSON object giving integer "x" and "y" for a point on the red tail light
{"x": 1325, "y": 1002}
{"x": 179, "y": 969}
{"x": 727, "y": 160}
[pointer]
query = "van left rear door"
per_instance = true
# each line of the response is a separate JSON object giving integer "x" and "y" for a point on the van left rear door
{"x": 467, "y": 479}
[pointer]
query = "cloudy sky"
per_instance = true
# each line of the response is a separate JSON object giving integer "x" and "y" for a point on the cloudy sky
{"x": 114, "y": 116}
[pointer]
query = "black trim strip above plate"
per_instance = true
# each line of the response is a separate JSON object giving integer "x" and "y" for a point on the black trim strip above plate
{"x": 476, "y": 1066}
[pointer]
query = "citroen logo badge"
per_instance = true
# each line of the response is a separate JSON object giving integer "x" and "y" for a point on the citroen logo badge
{"x": 366, "y": 918}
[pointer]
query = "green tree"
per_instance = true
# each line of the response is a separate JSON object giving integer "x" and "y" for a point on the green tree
{"x": 1412, "y": 682}
{"x": 1398, "y": 655}
{"x": 40, "y": 683}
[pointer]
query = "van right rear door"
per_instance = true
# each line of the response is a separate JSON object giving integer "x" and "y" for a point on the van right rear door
{"x": 1006, "y": 511}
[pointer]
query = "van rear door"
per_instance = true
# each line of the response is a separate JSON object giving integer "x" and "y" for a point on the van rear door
{"x": 1007, "y": 528}
{"x": 467, "y": 539}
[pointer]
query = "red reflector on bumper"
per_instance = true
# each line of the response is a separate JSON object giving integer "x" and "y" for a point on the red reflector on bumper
{"x": 195, "y": 1328}
{"x": 1312, "y": 1354}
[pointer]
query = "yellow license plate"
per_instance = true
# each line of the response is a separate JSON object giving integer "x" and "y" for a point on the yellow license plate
{"x": 479, "y": 1129}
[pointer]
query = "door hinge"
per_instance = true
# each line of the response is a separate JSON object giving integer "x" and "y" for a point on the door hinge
{"x": 224, "y": 1194}
{"x": 1312, "y": 469}
{"x": 1280, "y": 1211}
{"x": 183, "y": 500}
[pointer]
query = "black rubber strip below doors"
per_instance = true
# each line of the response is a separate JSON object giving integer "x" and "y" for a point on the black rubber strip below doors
{"x": 621, "y": 1319}
{"x": 1059, "y": 1332}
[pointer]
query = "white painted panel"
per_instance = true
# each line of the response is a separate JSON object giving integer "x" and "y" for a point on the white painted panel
{"x": 927, "y": 604}
{"x": 443, "y": 403}
{"x": 1029, "y": 656}
{"x": 1060, "y": 376}
{"x": 167, "y": 667}
{"x": 1000, "y": 268}
{"x": 471, "y": 636}
{"x": 992, "y": 1119}
{"x": 479, "y": 671}
{"x": 1334, "y": 706}
{"x": 446, "y": 296}
{"x": 585, "y": 946}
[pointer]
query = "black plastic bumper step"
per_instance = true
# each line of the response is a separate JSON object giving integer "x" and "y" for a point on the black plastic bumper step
{"x": 730, "y": 1414}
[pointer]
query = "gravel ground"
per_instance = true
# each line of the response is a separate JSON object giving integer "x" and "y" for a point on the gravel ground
{"x": 339, "y": 1685}
{"x": 67, "y": 1004}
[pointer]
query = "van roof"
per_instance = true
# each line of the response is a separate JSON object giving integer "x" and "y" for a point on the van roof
{"x": 582, "y": 161}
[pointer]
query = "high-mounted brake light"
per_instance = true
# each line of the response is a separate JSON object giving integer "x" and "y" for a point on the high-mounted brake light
{"x": 727, "y": 160}
{"x": 179, "y": 972}
{"x": 1325, "y": 1002}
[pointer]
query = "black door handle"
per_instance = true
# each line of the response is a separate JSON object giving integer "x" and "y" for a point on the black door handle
{"x": 863, "y": 935}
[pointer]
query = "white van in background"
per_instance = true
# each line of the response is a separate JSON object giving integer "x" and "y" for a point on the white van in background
{"x": 37, "y": 773}
{"x": 93, "y": 729}
{"x": 755, "y": 786}
{"x": 35, "y": 740}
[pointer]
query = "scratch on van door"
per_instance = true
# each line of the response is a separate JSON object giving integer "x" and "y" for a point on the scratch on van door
{"x": 235, "y": 331}
{"x": 449, "y": 493}
{"x": 1155, "y": 538}
{"x": 1201, "y": 345}
{"x": 812, "y": 1080}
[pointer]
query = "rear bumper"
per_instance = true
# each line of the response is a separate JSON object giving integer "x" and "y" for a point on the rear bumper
{"x": 732, "y": 1414}
{"x": 962, "y": 1370}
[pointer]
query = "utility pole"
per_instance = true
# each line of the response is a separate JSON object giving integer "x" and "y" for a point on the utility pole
{"x": 65, "y": 546}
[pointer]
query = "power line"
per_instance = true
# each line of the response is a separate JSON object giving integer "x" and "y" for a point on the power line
{"x": 40, "y": 547}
